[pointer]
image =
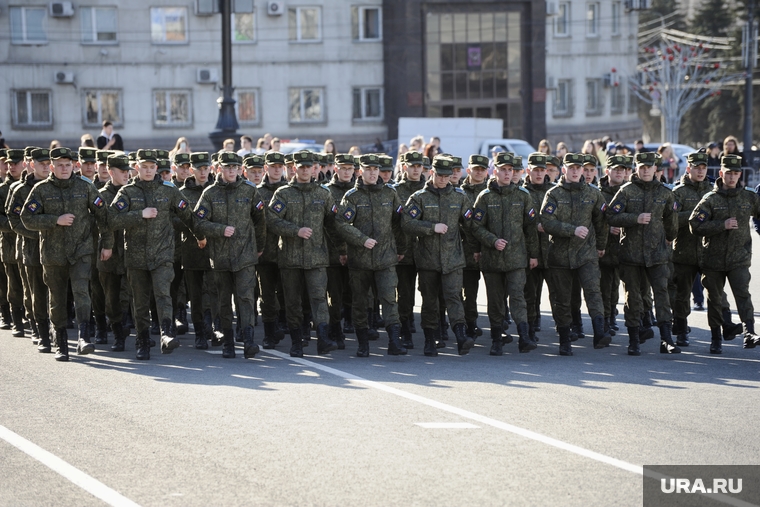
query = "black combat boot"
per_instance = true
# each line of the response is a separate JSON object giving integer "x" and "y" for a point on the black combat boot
{"x": 296, "y": 342}
{"x": 119, "y": 336}
{"x": 565, "y": 343}
{"x": 228, "y": 343}
{"x": 506, "y": 338}
{"x": 716, "y": 341}
{"x": 681, "y": 330}
{"x": 524, "y": 343}
{"x": 142, "y": 345}
{"x": 348, "y": 324}
{"x": 444, "y": 334}
{"x": 18, "y": 322}
{"x": 430, "y": 349}
{"x": 537, "y": 324}
{"x": 613, "y": 324}
{"x": 84, "y": 346}
{"x": 270, "y": 335}
{"x": 35, "y": 332}
{"x": 169, "y": 342}
{"x": 394, "y": 342}
{"x": 250, "y": 349}
{"x": 201, "y": 343}
{"x": 607, "y": 327}
{"x": 496, "y": 347}
{"x": 324, "y": 344}
{"x": 361, "y": 337}
{"x": 633, "y": 341}
{"x": 406, "y": 335}
{"x": 645, "y": 333}
{"x": 6, "y": 321}
{"x": 336, "y": 334}
{"x": 601, "y": 337}
{"x": 238, "y": 333}
{"x": 473, "y": 331}
{"x": 61, "y": 344}
{"x": 464, "y": 342}
{"x": 101, "y": 330}
{"x": 751, "y": 340}
{"x": 372, "y": 333}
{"x": 666, "y": 340}
{"x": 577, "y": 326}
{"x": 730, "y": 330}
{"x": 43, "y": 327}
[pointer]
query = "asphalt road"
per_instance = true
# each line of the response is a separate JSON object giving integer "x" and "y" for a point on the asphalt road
{"x": 193, "y": 429}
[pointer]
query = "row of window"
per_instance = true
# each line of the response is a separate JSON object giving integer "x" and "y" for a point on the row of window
{"x": 32, "y": 109}
{"x": 169, "y": 25}
{"x": 564, "y": 98}
{"x": 563, "y": 20}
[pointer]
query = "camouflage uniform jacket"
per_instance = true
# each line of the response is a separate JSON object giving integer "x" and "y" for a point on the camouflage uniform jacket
{"x": 266, "y": 191}
{"x": 27, "y": 242}
{"x": 337, "y": 245}
{"x": 612, "y": 250}
{"x": 7, "y": 236}
{"x": 687, "y": 247}
{"x": 723, "y": 249}
{"x": 472, "y": 190}
{"x": 405, "y": 188}
{"x": 193, "y": 257}
{"x": 115, "y": 264}
{"x": 51, "y": 198}
{"x": 537, "y": 193}
{"x": 644, "y": 245}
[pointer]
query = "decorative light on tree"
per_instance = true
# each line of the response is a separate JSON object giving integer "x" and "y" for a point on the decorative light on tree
{"x": 677, "y": 71}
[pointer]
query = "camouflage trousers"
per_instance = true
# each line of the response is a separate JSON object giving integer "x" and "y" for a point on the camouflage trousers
{"x": 634, "y": 279}
{"x": 39, "y": 292}
{"x": 432, "y": 283}
{"x": 194, "y": 280}
{"x": 142, "y": 282}
{"x": 57, "y": 280}
{"x": 715, "y": 282}
{"x": 294, "y": 282}
{"x": 15, "y": 291}
{"x": 240, "y": 283}
{"x": 499, "y": 285}
{"x": 110, "y": 284}
{"x": 270, "y": 286}
{"x": 588, "y": 277}
{"x": 470, "y": 286}
{"x": 534, "y": 283}
{"x": 384, "y": 282}
{"x": 610, "y": 288}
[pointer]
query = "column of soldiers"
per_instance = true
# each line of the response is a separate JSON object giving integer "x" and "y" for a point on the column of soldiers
{"x": 324, "y": 242}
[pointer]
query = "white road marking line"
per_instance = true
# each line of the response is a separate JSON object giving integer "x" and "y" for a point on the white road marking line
{"x": 81, "y": 479}
{"x": 447, "y": 426}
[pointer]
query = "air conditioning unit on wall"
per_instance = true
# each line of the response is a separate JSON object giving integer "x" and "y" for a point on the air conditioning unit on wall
{"x": 207, "y": 76}
{"x": 61, "y": 9}
{"x": 275, "y": 8}
{"x": 62, "y": 77}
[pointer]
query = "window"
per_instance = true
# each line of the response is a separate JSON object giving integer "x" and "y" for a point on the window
{"x": 98, "y": 24}
{"x": 168, "y": 25}
{"x": 617, "y": 99}
{"x": 306, "y": 105}
{"x": 368, "y": 104}
{"x": 366, "y": 23}
{"x": 247, "y": 104}
{"x": 32, "y": 109}
{"x": 28, "y": 25}
{"x": 304, "y": 24}
{"x": 243, "y": 29}
{"x": 592, "y": 20}
{"x": 593, "y": 97}
{"x": 563, "y": 99}
{"x": 172, "y": 108}
{"x": 102, "y": 105}
{"x": 615, "y": 18}
{"x": 562, "y": 21}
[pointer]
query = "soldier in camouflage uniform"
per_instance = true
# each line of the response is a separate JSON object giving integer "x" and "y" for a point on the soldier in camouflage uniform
{"x": 61, "y": 209}
{"x": 180, "y": 167}
{"x": 146, "y": 208}
{"x": 434, "y": 215}
{"x": 230, "y": 214}
{"x": 573, "y": 215}
{"x": 15, "y": 158}
{"x": 504, "y": 218}
{"x": 302, "y": 213}
{"x": 369, "y": 219}
{"x": 644, "y": 210}
{"x": 5, "y": 308}
{"x": 721, "y": 219}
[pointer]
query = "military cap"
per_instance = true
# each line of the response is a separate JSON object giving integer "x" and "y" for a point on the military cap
{"x": 132, "y": 156}
{"x": 658, "y": 161}
{"x": 386, "y": 162}
{"x": 120, "y": 162}
{"x": 215, "y": 157}
{"x": 274, "y": 157}
{"x": 589, "y": 159}
{"x": 100, "y": 155}
{"x": 646, "y": 158}
{"x": 443, "y": 166}
{"x": 14, "y": 155}
{"x": 164, "y": 164}
{"x": 629, "y": 161}
{"x": 62, "y": 153}
{"x": 253, "y": 161}
{"x": 40, "y": 154}
{"x": 412, "y": 157}
{"x": 478, "y": 161}
{"x": 730, "y": 163}
{"x": 181, "y": 158}
{"x": 344, "y": 158}
{"x": 303, "y": 158}
{"x": 162, "y": 154}
{"x": 504, "y": 158}
{"x": 426, "y": 162}
{"x": 326, "y": 158}
{"x": 370, "y": 160}
{"x": 356, "y": 163}
{"x": 229, "y": 158}
{"x": 697, "y": 158}
{"x": 553, "y": 160}
{"x": 147, "y": 156}
{"x": 537, "y": 159}
{"x": 573, "y": 159}
{"x": 518, "y": 163}
{"x": 28, "y": 151}
{"x": 200, "y": 159}
{"x": 3, "y": 152}
{"x": 617, "y": 161}
{"x": 457, "y": 161}
{"x": 289, "y": 158}
{"x": 87, "y": 154}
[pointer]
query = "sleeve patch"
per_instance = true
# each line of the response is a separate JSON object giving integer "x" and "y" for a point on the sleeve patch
{"x": 479, "y": 215}
{"x": 334, "y": 208}
{"x": 676, "y": 206}
{"x": 617, "y": 208}
{"x": 17, "y": 207}
{"x": 604, "y": 207}
{"x": 349, "y": 214}
{"x": 532, "y": 213}
{"x": 400, "y": 209}
{"x": 550, "y": 208}
{"x": 701, "y": 216}
{"x": 277, "y": 206}
{"x": 182, "y": 204}
{"x": 468, "y": 214}
{"x": 121, "y": 204}
{"x": 260, "y": 205}
{"x": 33, "y": 206}
{"x": 414, "y": 211}
{"x": 98, "y": 202}
{"x": 201, "y": 212}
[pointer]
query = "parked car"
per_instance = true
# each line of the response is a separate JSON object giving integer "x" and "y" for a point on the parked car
{"x": 297, "y": 145}
{"x": 516, "y": 146}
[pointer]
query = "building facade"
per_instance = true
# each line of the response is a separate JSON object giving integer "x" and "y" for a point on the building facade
{"x": 591, "y": 50}
{"x": 153, "y": 67}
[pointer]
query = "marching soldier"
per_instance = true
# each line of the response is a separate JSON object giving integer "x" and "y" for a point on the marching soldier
{"x": 15, "y": 159}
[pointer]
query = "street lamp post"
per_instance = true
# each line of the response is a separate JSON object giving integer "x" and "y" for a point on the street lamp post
{"x": 227, "y": 124}
{"x": 751, "y": 45}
